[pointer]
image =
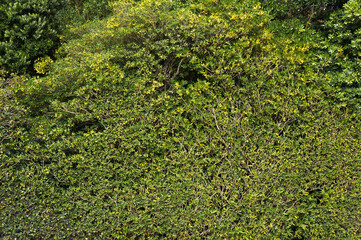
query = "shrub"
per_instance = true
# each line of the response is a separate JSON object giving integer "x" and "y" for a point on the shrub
{"x": 341, "y": 61}
{"x": 182, "y": 120}
{"x": 28, "y": 29}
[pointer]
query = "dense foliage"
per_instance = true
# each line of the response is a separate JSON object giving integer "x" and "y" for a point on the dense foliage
{"x": 306, "y": 9}
{"x": 342, "y": 63}
{"x": 29, "y": 29}
{"x": 88, "y": 9}
{"x": 186, "y": 120}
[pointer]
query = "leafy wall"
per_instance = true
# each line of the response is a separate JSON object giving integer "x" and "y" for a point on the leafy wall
{"x": 178, "y": 120}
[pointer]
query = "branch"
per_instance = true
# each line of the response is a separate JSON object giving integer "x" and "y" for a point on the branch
{"x": 179, "y": 65}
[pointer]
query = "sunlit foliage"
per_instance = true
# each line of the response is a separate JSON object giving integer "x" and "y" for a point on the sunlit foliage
{"x": 180, "y": 120}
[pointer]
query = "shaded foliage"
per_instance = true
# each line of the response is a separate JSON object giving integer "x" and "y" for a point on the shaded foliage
{"x": 342, "y": 59}
{"x": 28, "y": 29}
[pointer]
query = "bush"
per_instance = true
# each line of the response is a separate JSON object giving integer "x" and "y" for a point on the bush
{"x": 182, "y": 120}
{"x": 342, "y": 59}
{"x": 28, "y": 29}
